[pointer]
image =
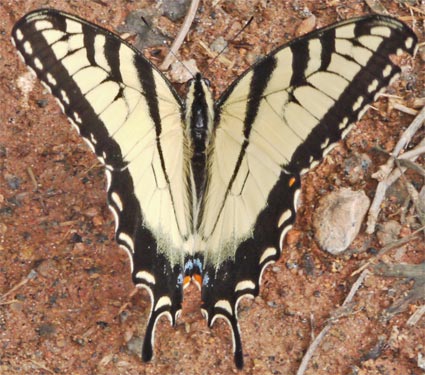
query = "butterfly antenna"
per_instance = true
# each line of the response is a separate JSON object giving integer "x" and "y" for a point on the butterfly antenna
{"x": 231, "y": 40}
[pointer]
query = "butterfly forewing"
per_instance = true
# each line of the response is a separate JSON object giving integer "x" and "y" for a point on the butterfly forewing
{"x": 132, "y": 118}
{"x": 272, "y": 125}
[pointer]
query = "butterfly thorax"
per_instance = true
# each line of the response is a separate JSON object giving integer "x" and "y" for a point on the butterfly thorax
{"x": 199, "y": 119}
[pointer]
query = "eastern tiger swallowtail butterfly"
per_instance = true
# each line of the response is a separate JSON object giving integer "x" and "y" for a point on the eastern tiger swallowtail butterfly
{"x": 205, "y": 190}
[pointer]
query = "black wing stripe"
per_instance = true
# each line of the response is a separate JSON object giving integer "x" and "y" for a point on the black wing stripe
{"x": 328, "y": 45}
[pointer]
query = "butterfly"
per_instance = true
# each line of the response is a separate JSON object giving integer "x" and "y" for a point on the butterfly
{"x": 205, "y": 190}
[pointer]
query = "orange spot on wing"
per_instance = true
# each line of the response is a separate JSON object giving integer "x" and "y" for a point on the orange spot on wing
{"x": 198, "y": 278}
{"x": 292, "y": 181}
{"x": 186, "y": 281}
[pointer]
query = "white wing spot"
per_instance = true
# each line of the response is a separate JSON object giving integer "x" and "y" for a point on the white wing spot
{"x": 145, "y": 275}
{"x": 285, "y": 216}
{"x": 409, "y": 42}
{"x": 269, "y": 252}
{"x": 346, "y": 130}
{"x": 313, "y": 164}
{"x": 28, "y": 48}
{"x": 60, "y": 104}
{"x": 116, "y": 218}
{"x": 343, "y": 123}
{"x": 51, "y": 79}
{"x": 128, "y": 240}
{"x": 324, "y": 144}
{"x": 89, "y": 144}
{"x": 43, "y": 25}
{"x": 328, "y": 149}
{"x": 372, "y": 86}
{"x": 225, "y": 305}
{"x": 283, "y": 235}
{"x": 108, "y": 175}
{"x": 163, "y": 301}
{"x": 381, "y": 31}
{"x": 262, "y": 270}
{"x": 245, "y": 284}
{"x": 387, "y": 71}
{"x": 19, "y": 35}
{"x": 64, "y": 96}
{"x": 345, "y": 32}
{"x": 38, "y": 64}
{"x": 297, "y": 198}
{"x": 117, "y": 200}
{"x": 73, "y": 27}
{"x": 93, "y": 139}
{"x": 358, "y": 103}
{"x": 77, "y": 118}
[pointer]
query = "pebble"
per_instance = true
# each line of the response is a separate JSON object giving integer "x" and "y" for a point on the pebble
{"x": 338, "y": 218}
{"x": 175, "y": 9}
{"x": 388, "y": 232}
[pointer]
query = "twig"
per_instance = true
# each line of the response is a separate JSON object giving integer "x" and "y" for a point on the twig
{"x": 414, "y": 152}
{"x": 32, "y": 178}
{"x": 40, "y": 365}
{"x": 385, "y": 170}
{"x": 403, "y": 108}
{"x": 316, "y": 342}
{"x": 387, "y": 248}
{"x": 416, "y": 316}
{"x": 416, "y": 9}
{"x": 180, "y": 36}
{"x": 27, "y": 278}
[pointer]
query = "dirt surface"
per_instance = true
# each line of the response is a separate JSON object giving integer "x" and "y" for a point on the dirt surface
{"x": 69, "y": 305}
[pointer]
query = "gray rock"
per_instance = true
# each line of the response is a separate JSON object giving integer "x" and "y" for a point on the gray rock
{"x": 338, "y": 218}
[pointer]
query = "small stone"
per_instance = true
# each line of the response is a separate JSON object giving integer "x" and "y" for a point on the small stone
{"x": 306, "y": 25}
{"x": 356, "y": 167}
{"x": 42, "y": 103}
{"x": 175, "y": 9}
{"x": 338, "y": 218}
{"x": 183, "y": 71}
{"x": 421, "y": 361}
{"x": 135, "y": 344}
{"x": 13, "y": 182}
{"x": 388, "y": 232}
{"x": 91, "y": 212}
{"x": 45, "y": 330}
{"x": 218, "y": 45}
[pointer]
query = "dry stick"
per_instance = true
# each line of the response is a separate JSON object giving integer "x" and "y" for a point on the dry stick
{"x": 313, "y": 346}
{"x": 416, "y": 316}
{"x": 386, "y": 169}
{"x": 180, "y": 36}
{"x": 387, "y": 248}
{"x": 27, "y": 278}
{"x": 40, "y": 365}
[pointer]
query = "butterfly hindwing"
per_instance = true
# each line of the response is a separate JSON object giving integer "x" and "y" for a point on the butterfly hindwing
{"x": 273, "y": 124}
{"x": 130, "y": 116}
